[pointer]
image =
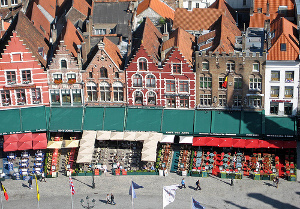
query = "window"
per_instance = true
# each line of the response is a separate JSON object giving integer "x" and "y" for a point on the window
{"x": 65, "y": 96}
{"x": 55, "y": 96}
{"x": 184, "y": 101}
{"x": 275, "y": 75}
{"x": 283, "y": 47}
{"x": 288, "y": 92}
{"x": 137, "y": 80}
{"x": 14, "y": 2}
{"x": 151, "y": 98}
{"x": 176, "y": 68}
{"x": 57, "y": 78}
{"x": 205, "y": 99}
{"x": 76, "y": 93}
{"x": 92, "y": 92}
{"x": 142, "y": 64}
{"x": 11, "y": 77}
{"x": 255, "y": 84}
{"x": 238, "y": 83}
{"x": 170, "y": 84}
{"x": 230, "y": 66}
{"x": 26, "y": 76}
{"x": 273, "y": 108}
{"x": 237, "y": 100}
{"x": 150, "y": 81}
{"x": 222, "y": 100}
{"x": 71, "y": 78}
{"x": 90, "y": 74}
{"x": 221, "y": 81}
{"x": 63, "y": 64}
{"x": 21, "y": 97}
{"x": 5, "y": 97}
{"x": 103, "y": 72}
{"x": 138, "y": 95}
{"x": 171, "y": 101}
{"x": 205, "y": 65}
{"x": 40, "y": 50}
{"x": 16, "y": 57}
{"x": 288, "y": 109}
{"x": 104, "y": 92}
{"x": 289, "y": 76}
{"x": 197, "y": 5}
{"x": 117, "y": 75}
{"x": 183, "y": 86}
{"x": 205, "y": 82}
{"x": 118, "y": 91}
{"x": 254, "y": 101}
{"x": 244, "y": 2}
{"x": 4, "y": 2}
{"x": 36, "y": 95}
{"x": 100, "y": 31}
{"x": 255, "y": 67}
{"x": 274, "y": 91}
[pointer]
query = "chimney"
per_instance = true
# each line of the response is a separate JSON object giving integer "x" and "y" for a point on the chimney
{"x": 79, "y": 58}
{"x": 53, "y": 34}
{"x": 243, "y": 42}
{"x": 180, "y": 3}
{"x": 83, "y": 52}
{"x": 165, "y": 35}
{"x": 268, "y": 9}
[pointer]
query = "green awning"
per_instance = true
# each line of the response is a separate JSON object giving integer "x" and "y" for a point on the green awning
{"x": 33, "y": 119}
{"x": 66, "y": 119}
{"x": 251, "y": 123}
{"x": 178, "y": 121}
{"x": 202, "y": 122}
{"x": 93, "y": 118}
{"x": 47, "y": 116}
{"x": 226, "y": 122}
{"x": 280, "y": 126}
{"x": 10, "y": 121}
{"x": 114, "y": 118}
{"x": 143, "y": 119}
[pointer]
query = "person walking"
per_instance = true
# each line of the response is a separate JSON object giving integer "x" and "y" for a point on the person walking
{"x": 277, "y": 181}
{"x": 30, "y": 183}
{"x": 198, "y": 185}
{"x": 112, "y": 199}
{"x": 274, "y": 181}
{"x": 183, "y": 183}
{"x": 43, "y": 177}
{"x": 107, "y": 199}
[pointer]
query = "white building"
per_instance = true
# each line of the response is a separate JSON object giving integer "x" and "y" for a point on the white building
{"x": 191, "y": 4}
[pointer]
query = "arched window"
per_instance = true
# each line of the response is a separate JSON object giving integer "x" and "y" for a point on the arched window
{"x": 104, "y": 92}
{"x": 91, "y": 89}
{"x": 151, "y": 98}
{"x": 142, "y": 64}
{"x": 138, "y": 98}
{"x": 63, "y": 64}
{"x": 118, "y": 91}
{"x": 137, "y": 80}
{"x": 103, "y": 72}
{"x": 150, "y": 81}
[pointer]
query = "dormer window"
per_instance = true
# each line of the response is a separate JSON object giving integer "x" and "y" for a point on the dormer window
{"x": 40, "y": 50}
{"x": 283, "y": 47}
{"x": 142, "y": 64}
{"x": 63, "y": 64}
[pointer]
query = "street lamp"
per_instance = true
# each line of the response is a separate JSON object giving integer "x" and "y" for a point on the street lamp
{"x": 88, "y": 206}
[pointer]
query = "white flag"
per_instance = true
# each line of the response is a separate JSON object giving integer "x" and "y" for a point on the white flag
{"x": 169, "y": 193}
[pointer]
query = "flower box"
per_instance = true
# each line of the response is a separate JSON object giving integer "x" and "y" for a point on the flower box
{"x": 81, "y": 174}
{"x": 89, "y": 173}
{"x": 195, "y": 174}
{"x": 72, "y": 81}
{"x": 57, "y": 81}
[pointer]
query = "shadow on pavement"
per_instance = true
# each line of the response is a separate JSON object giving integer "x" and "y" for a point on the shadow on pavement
{"x": 298, "y": 193}
{"x": 273, "y": 202}
{"x": 103, "y": 201}
{"x": 220, "y": 180}
{"x": 82, "y": 182}
{"x": 238, "y": 206}
{"x": 268, "y": 184}
{"x": 25, "y": 185}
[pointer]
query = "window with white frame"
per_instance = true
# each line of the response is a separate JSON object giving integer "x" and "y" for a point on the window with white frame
{"x": 21, "y": 96}
{"x": 76, "y": 94}
{"x": 205, "y": 65}
{"x": 205, "y": 100}
{"x": 205, "y": 82}
{"x": 104, "y": 92}
{"x": 221, "y": 81}
{"x": 100, "y": 31}
{"x": 288, "y": 91}
{"x": 92, "y": 92}
{"x": 4, "y": 2}
{"x": 55, "y": 96}
{"x": 183, "y": 86}
{"x": 237, "y": 100}
{"x": 150, "y": 81}
{"x": 36, "y": 95}
{"x": 184, "y": 101}
{"x": 137, "y": 80}
{"x": 142, "y": 63}
{"x": 118, "y": 92}
{"x": 11, "y": 77}
{"x": 151, "y": 98}
{"x": 5, "y": 97}
{"x": 255, "y": 67}
{"x": 275, "y": 75}
{"x": 176, "y": 68}
{"x": 230, "y": 66}
{"x": 254, "y": 101}
{"x": 274, "y": 91}
{"x": 222, "y": 100}
{"x": 138, "y": 97}
{"x": 289, "y": 76}
{"x": 14, "y": 2}
{"x": 66, "y": 96}
{"x": 171, "y": 101}
{"x": 63, "y": 64}
{"x": 57, "y": 77}
{"x": 71, "y": 78}
{"x": 170, "y": 86}
{"x": 26, "y": 76}
{"x": 255, "y": 84}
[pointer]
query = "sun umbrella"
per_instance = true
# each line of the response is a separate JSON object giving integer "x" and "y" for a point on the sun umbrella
{"x": 25, "y": 137}
{"x": 10, "y": 146}
{"x": 25, "y": 145}
{"x": 11, "y": 138}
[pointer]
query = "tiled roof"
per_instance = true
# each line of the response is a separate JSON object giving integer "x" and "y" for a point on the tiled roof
{"x": 71, "y": 37}
{"x": 40, "y": 21}
{"x": 49, "y": 6}
{"x": 114, "y": 52}
{"x": 82, "y": 6}
{"x": 257, "y": 20}
{"x": 32, "y": 38}
{"x": 183, "y": 41}
{"x": 206, "y": 36}
{"x": 273, "y": 6}
{"x": 157, "y": 6}
{"x": 107, "y": 1}
{"x": 172, "y": 3}
{"x": 285, "y": 32}
{"x": 225, "y": 7}
{"x": 196, "y": 19}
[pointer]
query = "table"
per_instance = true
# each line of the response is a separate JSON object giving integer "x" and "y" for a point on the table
{"x": 24, "y": 160}
{"x": 199, "y": 154}
{"x": 23, "y": 164}
{"x": 39, "y": 164}
{"x": 39, "y": 159}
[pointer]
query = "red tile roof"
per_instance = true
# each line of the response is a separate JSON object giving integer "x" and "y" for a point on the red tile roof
{"x": 257, "y": 20}
{"x": 285, "y": 32}
{"x": 113, "y": 51}
{"x": 40, "y": 21}
{"x": 273, "y": 6}
{"x": 82, "y": 6}
{"x": 225, "y": 7}
{"x": 71, "y": 37}
{"x": 183, "y": 41}
{"x": 157, "y": 6}
{"x": 49, "y": 6}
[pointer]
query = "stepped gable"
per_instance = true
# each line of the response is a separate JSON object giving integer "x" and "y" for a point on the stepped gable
{"x": 157, "y": 6}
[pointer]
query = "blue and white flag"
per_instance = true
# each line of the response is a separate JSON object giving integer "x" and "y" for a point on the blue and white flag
{"x": 196, "y": 204}
{"x": 169, "y": 193}
{"x": 134, "y": 186}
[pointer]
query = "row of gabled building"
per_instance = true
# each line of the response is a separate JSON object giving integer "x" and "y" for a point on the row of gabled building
{"x": 70, "y": 53}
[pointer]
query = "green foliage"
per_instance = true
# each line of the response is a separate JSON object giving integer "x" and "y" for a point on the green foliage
{"x": 162, "y": 21}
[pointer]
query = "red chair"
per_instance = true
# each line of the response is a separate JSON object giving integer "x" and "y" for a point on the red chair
{"x": 292, "y": 165}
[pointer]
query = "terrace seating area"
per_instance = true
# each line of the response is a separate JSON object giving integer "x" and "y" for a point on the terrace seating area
{"x": 53, "y": 161}
{"x": 164, "y": 157}
{"x": 184, "y": 159}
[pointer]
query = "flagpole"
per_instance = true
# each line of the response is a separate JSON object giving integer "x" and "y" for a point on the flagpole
{"x": 71, "y": 195}
{"x": 191, "y": 202}
{"x": 1, "y": 201}
{"x": 132, "y": 195}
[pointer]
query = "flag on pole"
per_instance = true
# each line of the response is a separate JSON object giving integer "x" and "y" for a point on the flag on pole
{"x": 225, "y": 82}
{"x": 169, "y": 193}
{"x": 134, "y": 186}
{"x": 37, "y": 189}
{"x": 196, "y": 204}
{"x": 4, "y": 191}
{"x": 71, "y": 185}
